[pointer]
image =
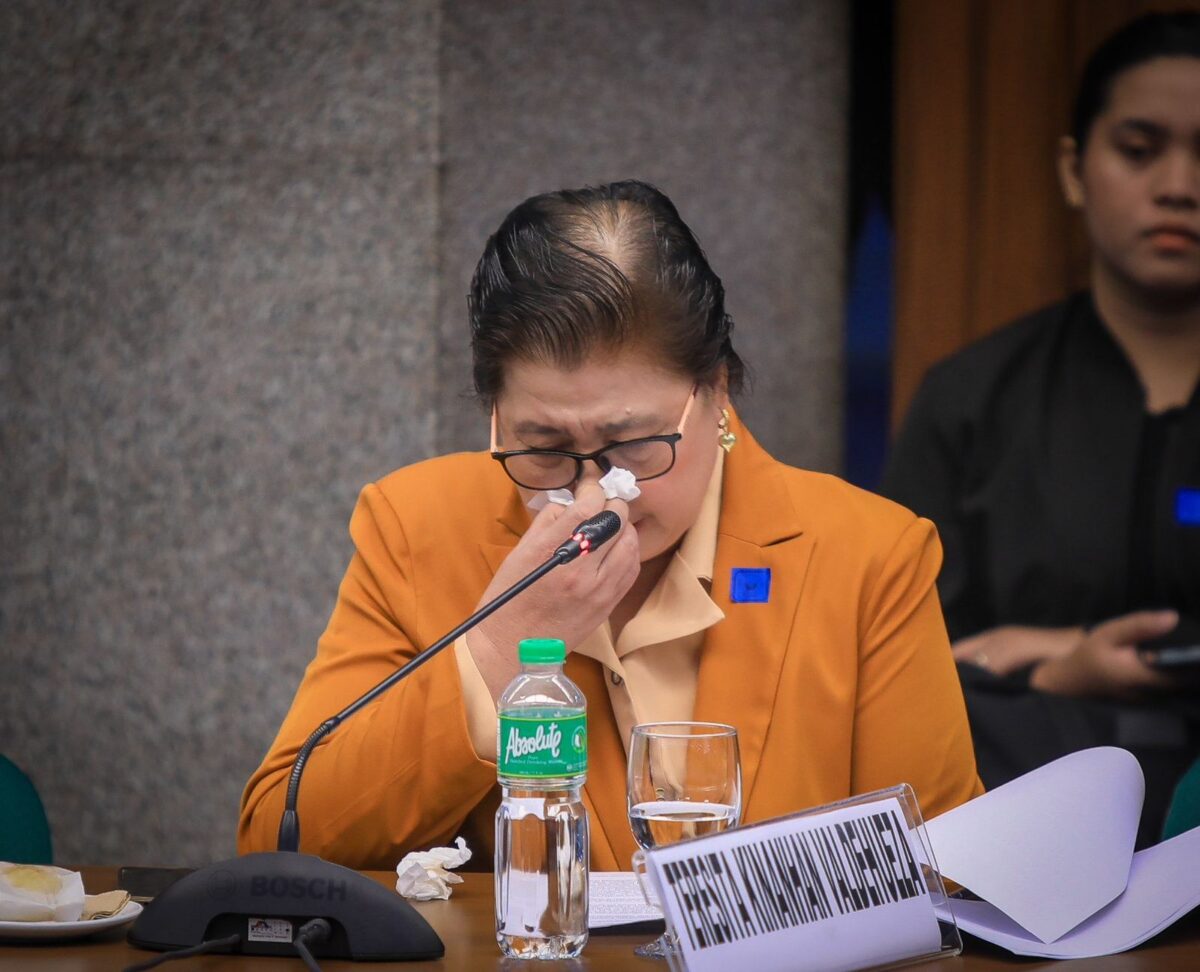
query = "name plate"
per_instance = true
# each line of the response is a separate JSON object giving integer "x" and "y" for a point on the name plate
{"x": 847, "y": 886}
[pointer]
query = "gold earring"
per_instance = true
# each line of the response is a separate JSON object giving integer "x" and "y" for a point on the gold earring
{"x": 727, "y": 439}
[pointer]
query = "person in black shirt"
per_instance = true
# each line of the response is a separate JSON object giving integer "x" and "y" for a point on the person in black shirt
{"x": 1060, "y": 456}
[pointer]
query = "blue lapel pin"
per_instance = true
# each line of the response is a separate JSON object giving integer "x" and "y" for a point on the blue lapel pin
{"x": 1187, "y": 507}
{"x": 750, "y": 585}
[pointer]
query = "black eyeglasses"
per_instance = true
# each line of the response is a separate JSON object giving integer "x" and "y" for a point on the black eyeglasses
{"x": 647, "y": 458}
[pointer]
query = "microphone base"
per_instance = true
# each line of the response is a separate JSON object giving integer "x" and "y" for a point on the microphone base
{"x": 265, "y": 898}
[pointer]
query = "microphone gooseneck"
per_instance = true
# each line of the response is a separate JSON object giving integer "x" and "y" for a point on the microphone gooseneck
{"x": 590, "y": 534}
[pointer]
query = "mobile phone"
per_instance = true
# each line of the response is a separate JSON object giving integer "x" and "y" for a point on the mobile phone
{"x": 144, "y": 883}
{"x": 1177, "y": 649}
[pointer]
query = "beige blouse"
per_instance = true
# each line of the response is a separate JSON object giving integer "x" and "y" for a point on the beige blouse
{"x": 653, "y": 665}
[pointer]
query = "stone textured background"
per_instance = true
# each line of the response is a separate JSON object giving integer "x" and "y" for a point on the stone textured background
{"x": 235, "y": 240}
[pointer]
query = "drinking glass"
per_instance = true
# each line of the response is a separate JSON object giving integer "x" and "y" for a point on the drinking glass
{"x": 685, "y": 780}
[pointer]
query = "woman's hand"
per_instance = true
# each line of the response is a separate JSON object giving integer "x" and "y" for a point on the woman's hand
{"x": 1006, "y": 649}
{"x": 568, "y": 603}
{"x": 1105, "y": 662}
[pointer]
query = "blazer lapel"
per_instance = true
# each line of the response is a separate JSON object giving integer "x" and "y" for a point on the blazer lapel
{"x": 509, "y": 527}
{"x": 742, "y": 659}
{"x": 494, "y": 554}
{"x": 743, "y": 656}
{"x": 612, "y": 840}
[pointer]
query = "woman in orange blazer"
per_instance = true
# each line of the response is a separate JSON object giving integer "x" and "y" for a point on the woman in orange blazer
{"x": 600, "y": 339}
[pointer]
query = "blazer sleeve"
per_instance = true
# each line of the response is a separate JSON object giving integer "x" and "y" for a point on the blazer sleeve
{"x": 400, "y": 774}
{"x": 910, "y": 719}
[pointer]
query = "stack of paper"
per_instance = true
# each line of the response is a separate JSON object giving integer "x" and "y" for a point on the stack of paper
{"x": 1051, "y": 855}
{"x": 617, "y": 900}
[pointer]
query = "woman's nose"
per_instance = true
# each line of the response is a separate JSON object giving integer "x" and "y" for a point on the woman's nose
{"x": 1179, "y": 181}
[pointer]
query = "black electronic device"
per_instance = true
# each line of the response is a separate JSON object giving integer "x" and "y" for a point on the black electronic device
{"x": 146, "y": 883}
{"x": 265, "y": 898}
{"x": 1177, "y": 649}
{"x": 256, "y": 904}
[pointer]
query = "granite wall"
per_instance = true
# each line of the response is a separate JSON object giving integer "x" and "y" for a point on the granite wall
{"x": 235, "y": 240}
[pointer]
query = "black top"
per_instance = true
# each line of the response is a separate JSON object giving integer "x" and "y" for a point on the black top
{"x": 1056, "y": 495}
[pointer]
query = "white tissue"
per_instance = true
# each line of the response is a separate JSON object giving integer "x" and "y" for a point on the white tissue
{"x": 38, "y": 892}
{"x": 563, "y": 497}
{"x": 620, "y": 483}
{"x": 423, "y": 875}
{"x": 617, "y": 483}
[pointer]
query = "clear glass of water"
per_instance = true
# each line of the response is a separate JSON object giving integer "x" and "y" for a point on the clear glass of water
{"x": 685, "y": 780}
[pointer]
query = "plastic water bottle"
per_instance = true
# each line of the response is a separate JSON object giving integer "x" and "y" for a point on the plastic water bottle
{"x": 542, "y": 824}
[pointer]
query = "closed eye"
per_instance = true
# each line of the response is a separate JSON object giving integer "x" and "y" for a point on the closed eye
{"x": 1138, "y": 152}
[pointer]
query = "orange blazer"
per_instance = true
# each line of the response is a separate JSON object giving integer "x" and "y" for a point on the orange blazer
{"x": 841, "y": 683}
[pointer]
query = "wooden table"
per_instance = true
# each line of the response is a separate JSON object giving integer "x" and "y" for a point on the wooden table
{"x": 465, "y": 923}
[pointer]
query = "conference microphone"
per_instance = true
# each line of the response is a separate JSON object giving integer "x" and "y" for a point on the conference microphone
{"x": 287, "y": 903}
{"x": 589, "y": 535}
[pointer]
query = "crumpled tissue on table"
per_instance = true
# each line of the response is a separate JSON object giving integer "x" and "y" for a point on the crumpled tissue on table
{"x": 39, "y": 892}
{"x": 617, "y": 483}
{"x": 424, "y": 875}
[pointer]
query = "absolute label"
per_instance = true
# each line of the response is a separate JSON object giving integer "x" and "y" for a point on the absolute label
{"x": 542, "y": 748}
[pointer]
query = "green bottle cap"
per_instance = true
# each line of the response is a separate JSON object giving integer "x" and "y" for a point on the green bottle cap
{"x": 541, "y": 651}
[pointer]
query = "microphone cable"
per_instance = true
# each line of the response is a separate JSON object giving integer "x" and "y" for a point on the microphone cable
{"x": 314, "y": 932}
{"x": 209, "y": 946}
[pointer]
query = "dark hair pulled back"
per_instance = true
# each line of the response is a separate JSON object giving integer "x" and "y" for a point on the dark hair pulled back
{"x": 1147, "y": 37}
{"x": 599, "y": 268}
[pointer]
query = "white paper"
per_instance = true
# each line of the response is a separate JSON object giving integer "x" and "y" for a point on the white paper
{"x": 615, "y": 898}
{"x": 39, "y": 892}
{"x": 1050, "y": 848}
{"x": 835, "y": 935}
{"x": 1163, "y": 886}
{"x": 425, "y": 875}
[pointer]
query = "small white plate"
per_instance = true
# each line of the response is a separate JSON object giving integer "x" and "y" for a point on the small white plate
{"x": 10, "y": 930}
